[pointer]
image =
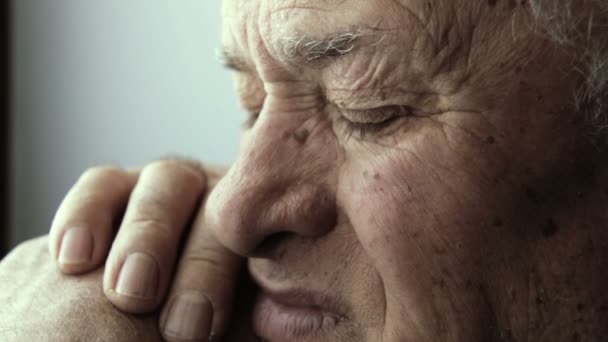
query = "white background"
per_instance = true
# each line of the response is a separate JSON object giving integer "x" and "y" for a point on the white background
{"x": 112, "y": 81}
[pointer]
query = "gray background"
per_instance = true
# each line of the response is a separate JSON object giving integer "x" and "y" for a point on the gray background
{"x": 112, "y": 81}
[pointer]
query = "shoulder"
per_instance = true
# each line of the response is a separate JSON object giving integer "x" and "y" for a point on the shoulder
{"x": 38, "y": 302}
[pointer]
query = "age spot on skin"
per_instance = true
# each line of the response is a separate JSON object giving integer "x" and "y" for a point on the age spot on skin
{"x": 366, "y": 175}
{"x": 301, "y": 135}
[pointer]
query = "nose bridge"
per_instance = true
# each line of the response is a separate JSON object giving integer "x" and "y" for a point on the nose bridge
{"x": 278, "y": 184}
{"x": 274, "y": 144}
{"x": 279, "y": 143}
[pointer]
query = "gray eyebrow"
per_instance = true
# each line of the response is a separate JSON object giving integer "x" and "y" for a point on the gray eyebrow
{"x": 303, "y": 49}
{"x": 313, "y": 49}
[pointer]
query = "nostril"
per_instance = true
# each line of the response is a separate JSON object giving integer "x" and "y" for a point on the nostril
{"x": 273, "y": 247}
{"x": 253, "y": 212}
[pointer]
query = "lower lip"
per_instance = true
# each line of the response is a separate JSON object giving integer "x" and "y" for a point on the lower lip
{"x": 277, "y": 322}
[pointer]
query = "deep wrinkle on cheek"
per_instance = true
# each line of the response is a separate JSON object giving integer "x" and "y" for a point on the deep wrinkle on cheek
{"x": 380, "y": 220}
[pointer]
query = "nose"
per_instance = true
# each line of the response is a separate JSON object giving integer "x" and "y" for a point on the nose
{"x": 282, "y": 182}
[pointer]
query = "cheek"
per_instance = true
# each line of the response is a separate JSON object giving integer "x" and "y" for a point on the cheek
{"x": 404, "y": 212}
{"x": 422, "y": 211}
{"x": 428, "y": 193}
{"x": 422, "y": 226}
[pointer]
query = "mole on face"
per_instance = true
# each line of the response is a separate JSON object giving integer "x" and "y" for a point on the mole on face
{"x": 301, "y": 135}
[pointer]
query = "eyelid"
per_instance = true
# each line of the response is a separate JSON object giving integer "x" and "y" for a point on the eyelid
{"x": 371, "y": 121}
{"x": 375, "y": 115}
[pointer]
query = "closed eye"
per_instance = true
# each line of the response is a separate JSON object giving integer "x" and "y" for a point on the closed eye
{"x": 371, "y": 121}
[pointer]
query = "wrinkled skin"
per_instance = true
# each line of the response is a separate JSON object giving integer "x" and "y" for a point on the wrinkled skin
{"x": 454, "y": 223}
{"x": 42, "y": 304}
{"x": 477, "y": 214}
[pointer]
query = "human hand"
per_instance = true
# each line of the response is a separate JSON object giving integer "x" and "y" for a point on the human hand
{"x": 159, "y": 203}
{"x": 38, "y": 303}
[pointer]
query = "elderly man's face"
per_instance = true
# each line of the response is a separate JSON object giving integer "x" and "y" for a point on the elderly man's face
{"x": 386, "y": 181}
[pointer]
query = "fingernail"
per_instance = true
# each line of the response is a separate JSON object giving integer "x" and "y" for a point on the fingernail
{"x": 138, "y": 277}
{"x": 76, "y": 247}
{"x": 189, "y": 317}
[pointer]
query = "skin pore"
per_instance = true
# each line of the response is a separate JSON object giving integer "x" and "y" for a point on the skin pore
{"x": 429, "y": 177}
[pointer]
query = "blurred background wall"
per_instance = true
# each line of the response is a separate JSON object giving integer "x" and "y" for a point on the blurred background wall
{"x": 4, "y": 123}
{"x": 111, "y": 81}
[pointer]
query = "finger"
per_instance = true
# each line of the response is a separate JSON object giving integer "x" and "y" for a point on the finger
{"x": 84, "y": 223}
{"x": 200, "y": 300}
{"x": 142, "y": 257}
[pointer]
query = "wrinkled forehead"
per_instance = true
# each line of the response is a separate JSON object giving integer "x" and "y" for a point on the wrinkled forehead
{"x": 312, "y": 16}
{"x": 247, "y": 24}
{"x": 433, "y": 37}
{"x": 253, "y": 26}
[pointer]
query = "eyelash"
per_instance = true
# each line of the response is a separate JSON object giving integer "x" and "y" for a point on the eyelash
{"x": 351, "y": 128}
{"x": 364, "y": 129}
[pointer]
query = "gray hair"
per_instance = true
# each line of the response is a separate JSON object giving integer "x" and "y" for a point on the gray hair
{"x": 314, "y": 49}
{"x": 581, "y": 27}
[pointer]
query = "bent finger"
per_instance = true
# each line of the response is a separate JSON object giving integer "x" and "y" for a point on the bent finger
{"x": 200, "y": 301}
{"x": 84, "y": 224}
{"x": 142, "y": 257}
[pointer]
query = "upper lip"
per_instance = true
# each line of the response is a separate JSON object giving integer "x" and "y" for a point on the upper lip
{"x": 302, "y": 298}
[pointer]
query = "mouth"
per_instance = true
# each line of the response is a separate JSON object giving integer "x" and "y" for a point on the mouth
{"x": 294, "y": 314}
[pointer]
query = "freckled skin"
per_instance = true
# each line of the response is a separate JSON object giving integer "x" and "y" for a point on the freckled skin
{"x": 426, "y": 230}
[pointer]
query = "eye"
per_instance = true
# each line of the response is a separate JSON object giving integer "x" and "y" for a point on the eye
{"x": 371, "y": 121}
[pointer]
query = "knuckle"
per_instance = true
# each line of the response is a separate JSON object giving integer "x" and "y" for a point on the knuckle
{"x": 206, "y": 260}
{"x": 211, "y": 261}
{"x": 96, "y": 185}
{"x": 191, "y": 170}
{"x": 88, "y": 197}
{"x": 103, "y": 172}
{"x": 151, "y": 228}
